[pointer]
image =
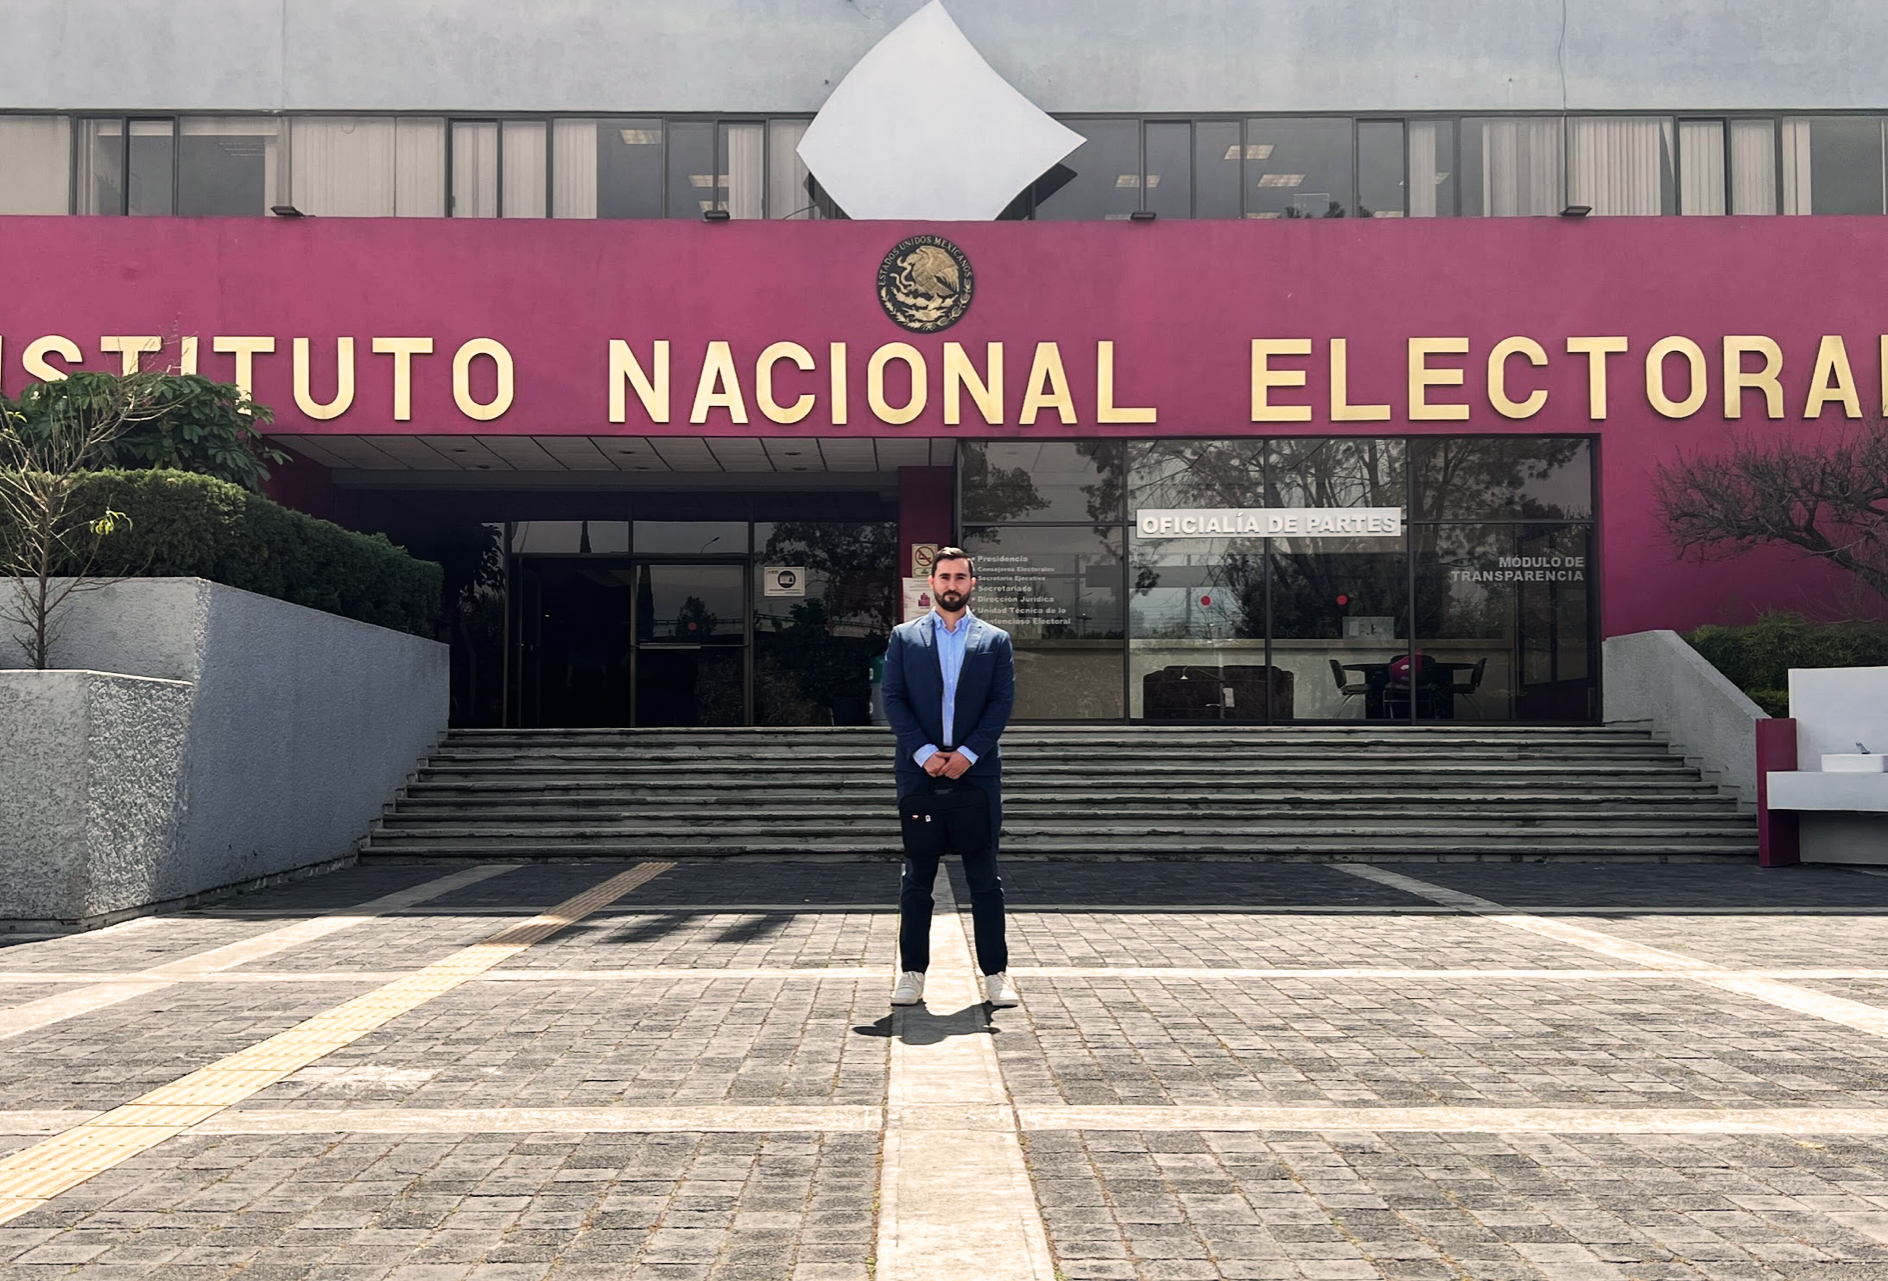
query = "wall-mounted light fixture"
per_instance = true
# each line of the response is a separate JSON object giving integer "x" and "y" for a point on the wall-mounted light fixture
{"x": 286, "y": 211}
{"x": 1576, "y": 211}
{"x": 1143, "y": 215}
{"x": 715, "y": 215}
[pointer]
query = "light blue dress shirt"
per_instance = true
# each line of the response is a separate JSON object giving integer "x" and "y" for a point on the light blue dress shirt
{"x": 950, "y": 647}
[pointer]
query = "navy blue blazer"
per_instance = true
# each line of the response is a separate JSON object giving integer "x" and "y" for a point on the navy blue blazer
{"x": 914, "y": 698}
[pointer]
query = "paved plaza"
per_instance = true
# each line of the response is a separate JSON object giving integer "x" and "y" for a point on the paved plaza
{"x": 1219, "y": 1069}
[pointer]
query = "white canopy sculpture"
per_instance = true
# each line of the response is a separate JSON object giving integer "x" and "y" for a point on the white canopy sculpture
{"x": 924, "y": 128}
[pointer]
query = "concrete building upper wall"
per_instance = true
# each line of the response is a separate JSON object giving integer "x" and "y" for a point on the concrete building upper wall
{"x": 1066, "y": 55}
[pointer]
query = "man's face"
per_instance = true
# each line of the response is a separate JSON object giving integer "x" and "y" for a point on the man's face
{"x": 951, "y": 584}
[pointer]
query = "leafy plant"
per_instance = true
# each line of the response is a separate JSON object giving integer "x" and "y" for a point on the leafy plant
{"x": 1758, "y": 658}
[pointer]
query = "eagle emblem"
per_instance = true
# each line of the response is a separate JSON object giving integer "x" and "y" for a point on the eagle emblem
{"x": 925, "y": 284}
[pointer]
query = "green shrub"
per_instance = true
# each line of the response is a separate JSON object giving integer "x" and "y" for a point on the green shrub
{"x": 1758, "y": 658}
{"x": 185, "y": 525}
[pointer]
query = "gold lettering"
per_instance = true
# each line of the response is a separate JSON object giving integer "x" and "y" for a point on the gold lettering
{"x": 403, "y": 350}
{"x": 130, "y": 349}
{"x": 1106, "y": 411}
{"x": 771, "y": 410}
{"x": 837, "y": 364}
{"x": 187, "y": 356}
{"x": 961, "y": 376}
{"x": 1264, "y": 378}
{"x": 462, "y": 379}
{"x": 1738, "y": 380}
{"x": 1596, "y": 350}
{"x": 1342, "y": 411}
{"x": 875, "y": 383}
{"x": 245, "y": 350}
{"x": 33, "y": 358}
{"x": 1498, "y": 377}
{"x": 652, "y": 390}
{"x": 343, "y": 380}
{"x": 1422, "y": 377}
{"x": 1047, "y": 386}
{"x": 1698, "y": 389}
{"x": 1832, "y": 380}
{"x": 719, "y": 387}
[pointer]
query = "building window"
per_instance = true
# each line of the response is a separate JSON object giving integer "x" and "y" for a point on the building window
{"x": 695, "y": 183}
{"x": 1380, "y": 157}
{"x": 1832, "y": 165}
{"x": 1511, "y": 167}
{"x": 1298, "y": 169}
{"x": 1622, "y": 165}
{"x": 1218, "y": 161}
{"x": 1753, "y": 166}
{"x": 127, "y": 167}
{"x": 368, "y": 166}
{"x": 1701, "y": 167}
{"x": 228, "y": 165}
{"x": 1101, "y": 179}
{"x": 500, "y": 169}
{"x": 35, "y": 164}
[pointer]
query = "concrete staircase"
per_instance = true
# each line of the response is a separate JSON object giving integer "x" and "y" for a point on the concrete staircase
{"x": 1326, "y": 792}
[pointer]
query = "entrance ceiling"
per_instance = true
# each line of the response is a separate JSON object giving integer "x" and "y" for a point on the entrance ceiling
{"x": 694, "y": 454}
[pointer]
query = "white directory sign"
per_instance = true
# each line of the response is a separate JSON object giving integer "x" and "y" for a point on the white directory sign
{"x": 784, "y": 580}
{"x": 1270, "y": 522}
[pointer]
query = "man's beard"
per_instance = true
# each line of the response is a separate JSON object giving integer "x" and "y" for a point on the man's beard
{"x": 951, "y": 602}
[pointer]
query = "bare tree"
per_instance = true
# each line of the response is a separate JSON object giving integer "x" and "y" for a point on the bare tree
{"x": 47, "y": 545}
{"x": 1825, "y": 496}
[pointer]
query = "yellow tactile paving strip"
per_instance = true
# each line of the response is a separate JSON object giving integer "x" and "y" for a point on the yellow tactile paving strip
{"x": 33, "y": 1176}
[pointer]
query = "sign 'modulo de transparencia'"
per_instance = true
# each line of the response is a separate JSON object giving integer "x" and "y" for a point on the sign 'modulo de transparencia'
{"x": 1270, "y": 522}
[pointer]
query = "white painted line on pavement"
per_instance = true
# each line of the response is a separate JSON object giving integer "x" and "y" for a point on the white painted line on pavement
{"x": 30, "y": 1016}
{"x": 1835, "y": 1009}
{"x": 726, "y": 1118}
{"x": 955, "y": 1197}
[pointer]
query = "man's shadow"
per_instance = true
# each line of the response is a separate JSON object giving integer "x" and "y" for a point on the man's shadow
{"x": 917, "y": 1025}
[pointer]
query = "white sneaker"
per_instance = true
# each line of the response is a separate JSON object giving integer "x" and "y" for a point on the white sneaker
{"x": 998, "y": 992}
{"x": 910, "y": 989}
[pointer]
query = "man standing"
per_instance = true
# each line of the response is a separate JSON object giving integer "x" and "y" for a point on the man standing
{"x": 950, "y": 682}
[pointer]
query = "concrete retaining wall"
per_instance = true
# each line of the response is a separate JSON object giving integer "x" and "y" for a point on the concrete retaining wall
{"x": 1656, "y": 679}
{"x": 297, "y": 726}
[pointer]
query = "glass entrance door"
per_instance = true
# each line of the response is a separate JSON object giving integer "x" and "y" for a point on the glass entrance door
{"x": 690, "y": 629}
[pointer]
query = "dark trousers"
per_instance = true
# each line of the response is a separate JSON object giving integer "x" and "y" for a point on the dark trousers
{"x": 986, "y": 902}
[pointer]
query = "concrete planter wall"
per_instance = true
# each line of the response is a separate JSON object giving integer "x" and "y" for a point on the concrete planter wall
{"x": 1655, "y": 679}
{"x": 199, "y": 736}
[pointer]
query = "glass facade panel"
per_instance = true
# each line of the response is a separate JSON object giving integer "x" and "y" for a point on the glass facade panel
{"x": 1217, "y": 159}
{"x": 150, "y": 186}
{"x": 691, "y": 538}
{"x": 1103, "y": 174}
{"x": 1502, "y": 477}
{"x": 1380, "y": 157}
{"x": 1832, "y": 165}
{"x": 475, "y": 169}
{"x": 570, "y": 538}
{"x": 1701, "y": 179}
{"x": 629, "y": 168}
{"x": 1335, "y": 471}
{"x": 1432, "y": 165}
{"x": 574, "y": 168}
{"x": 1066, "y": 481}
{"x": 1339, "y": 620}
{"x": 526, "y": 158}
{"x": 1167, "y": 186}
{"x": 813, "y": 653}
{"x": 791, "y": 191}
{"x": 744, "y": 169}
{"x": 368, "y": 166}
{"x": 1297, "y": 168}
{"x": 227, "y": 165}
{"x": 1622, "y": 165}
{"x": 1057, "y": 592}
{"x": 1753, "y": 166}
{"x": 35, "y": 164}
{"x": 1511, "y": 167}
{"x": 695, "y": 184}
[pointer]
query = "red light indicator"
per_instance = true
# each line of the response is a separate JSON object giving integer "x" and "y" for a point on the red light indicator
{"x": 1206, "y": 600}
{"x": 1343, "y": 600}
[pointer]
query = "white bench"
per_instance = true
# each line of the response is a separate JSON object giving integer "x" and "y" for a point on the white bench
{"x": 1841, "y": 817}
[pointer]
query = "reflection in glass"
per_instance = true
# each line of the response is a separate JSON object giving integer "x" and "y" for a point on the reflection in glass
{"x": 1042, "y": 481}
{"x": 1057, "y": 592}
{"x": 1196, "y": 616}
{"x": 1502, "y": 477}
{"x": 691, "y": 639}
{"x": 1503, "y": 622}
{"x": 694, "y": 182}
{"x": 1339, "y": 620}
{"x": 1380, "y": 169}
{"x": 1298, "y": 168}
{"x": 1167, "y": 474}
{"x": 570, "y": 537}
{"x": 1107, "y": 174}
{"x": 1217, "y": 153}
{"x": 1336, "y": 471}
{"x": 691, "y": 537}
{"x": 813, "y": 653}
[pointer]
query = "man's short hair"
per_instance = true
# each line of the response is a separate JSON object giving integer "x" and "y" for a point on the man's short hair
{"x": 954, "y": 553}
